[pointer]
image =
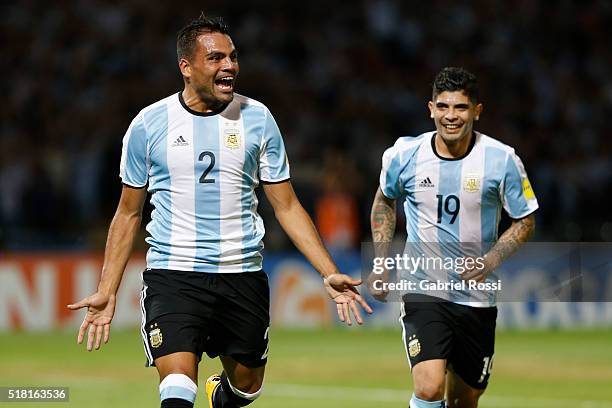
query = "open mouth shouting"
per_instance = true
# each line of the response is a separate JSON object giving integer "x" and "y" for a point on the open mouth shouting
{"x": 225, "y": 83}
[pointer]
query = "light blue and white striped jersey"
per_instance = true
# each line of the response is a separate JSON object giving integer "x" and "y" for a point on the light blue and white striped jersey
{"x": 202, "y": 170}
{"x": 453, "y": 206}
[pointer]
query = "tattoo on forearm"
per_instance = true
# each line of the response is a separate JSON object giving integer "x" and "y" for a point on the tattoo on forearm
{"x": 519, "y": 232}
{"x": 382, "y": 219}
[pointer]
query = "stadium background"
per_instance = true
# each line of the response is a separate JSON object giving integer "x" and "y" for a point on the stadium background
{"x": 343, "y": 80}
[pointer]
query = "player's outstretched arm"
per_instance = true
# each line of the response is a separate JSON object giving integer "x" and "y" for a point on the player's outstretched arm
{"x": 521, "y": 231}
{"x": 121, "y": 234}
{"x": 298, "y": 225}
{"x": 382, "y": 222}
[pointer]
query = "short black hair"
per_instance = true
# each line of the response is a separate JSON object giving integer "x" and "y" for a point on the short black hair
{"x": 187, "y": 36}
{"x": 453, "y": 79}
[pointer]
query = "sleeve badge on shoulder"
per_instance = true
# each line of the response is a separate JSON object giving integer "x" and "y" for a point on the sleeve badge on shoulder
{"x": 527, "y": 190}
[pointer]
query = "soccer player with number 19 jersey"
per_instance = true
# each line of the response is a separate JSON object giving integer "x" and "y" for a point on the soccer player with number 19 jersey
{"x": 454, "y": 182}
{"x": 201, "y": 153}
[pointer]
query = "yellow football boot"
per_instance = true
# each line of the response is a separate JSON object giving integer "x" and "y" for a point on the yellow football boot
{"x": 211, "y": 385}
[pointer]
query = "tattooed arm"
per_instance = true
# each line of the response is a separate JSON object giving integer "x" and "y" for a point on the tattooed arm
{"x": 382, "y": 221}
{"x": 520, "y": 231}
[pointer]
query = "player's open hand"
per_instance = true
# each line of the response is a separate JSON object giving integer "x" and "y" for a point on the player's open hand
{"x": 341, "y": 288}
{"x": 100, "y": 311}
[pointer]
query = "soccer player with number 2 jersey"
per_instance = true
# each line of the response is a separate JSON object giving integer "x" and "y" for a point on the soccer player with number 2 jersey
{"x": 201, "y": 153}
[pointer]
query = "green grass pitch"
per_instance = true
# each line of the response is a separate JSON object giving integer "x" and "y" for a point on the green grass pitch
{"x": 320, "y": 368}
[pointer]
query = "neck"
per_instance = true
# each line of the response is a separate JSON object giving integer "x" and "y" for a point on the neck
{"x": 453, "y": 150}
{"x": 197, "y": 103}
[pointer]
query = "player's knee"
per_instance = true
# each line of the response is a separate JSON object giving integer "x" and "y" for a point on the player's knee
{"x": 430, "y": 390}
{"x": 429, "y": 379}
{"x": 177, "y": 363}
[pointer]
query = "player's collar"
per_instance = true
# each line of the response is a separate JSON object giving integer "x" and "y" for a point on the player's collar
{"x": 467, "y": 152}
{"x": 193, "y": 112}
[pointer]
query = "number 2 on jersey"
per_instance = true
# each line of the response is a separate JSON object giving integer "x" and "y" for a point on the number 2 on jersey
{"x": 211, "y": 156}
{"x": 444, "y": 205}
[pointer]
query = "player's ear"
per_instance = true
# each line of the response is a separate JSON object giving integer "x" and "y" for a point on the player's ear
{"x": 478, "y": 109}
{"x": 430, "y": 105}
{"x": 185, "y": 67}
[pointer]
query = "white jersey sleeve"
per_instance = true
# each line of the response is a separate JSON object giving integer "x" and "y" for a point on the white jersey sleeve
{"x": 133, "y": 169}
{"x": 273, "y": 162}
{"x": 390, "y": 184}
{"x": 516, "y": 193}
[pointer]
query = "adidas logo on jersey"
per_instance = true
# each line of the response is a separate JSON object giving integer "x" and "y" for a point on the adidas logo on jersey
{"x": 425, "y": 183}
{"x": 180, "y": 141}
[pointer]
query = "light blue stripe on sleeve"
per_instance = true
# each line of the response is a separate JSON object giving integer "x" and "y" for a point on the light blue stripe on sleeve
{"x": 207, "y": 195}
{"x": 490, "y": 205}
{"x": 513, "y": 191}
{"x": 177, "y": 392}
{"x": 277, "y": 167}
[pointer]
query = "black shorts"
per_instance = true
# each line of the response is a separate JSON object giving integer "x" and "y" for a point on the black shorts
{"x": 222, "y": 314}
{"x": 462, "y": 335}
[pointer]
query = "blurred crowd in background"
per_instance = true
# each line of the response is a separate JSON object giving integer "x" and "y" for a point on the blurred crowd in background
{"x": 344, "y": 80}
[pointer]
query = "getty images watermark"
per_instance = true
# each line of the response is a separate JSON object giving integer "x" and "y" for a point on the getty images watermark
{"x": 540, "y": 271}
{"x": 407, "y": 264}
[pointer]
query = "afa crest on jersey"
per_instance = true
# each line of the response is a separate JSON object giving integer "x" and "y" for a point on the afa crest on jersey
{"x": 414, "y": 346}
{"x": 471, "y": 183}
{"x": 155, "y": 337}
{"x": 232, "y": 139}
